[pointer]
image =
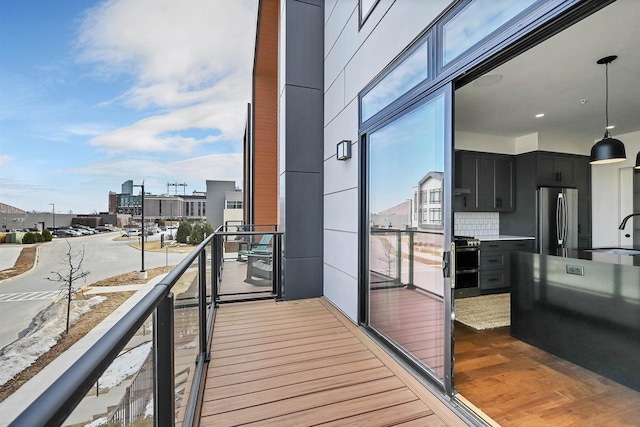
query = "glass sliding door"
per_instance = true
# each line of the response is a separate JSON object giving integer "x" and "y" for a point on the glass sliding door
{"x": 408, "y": 209}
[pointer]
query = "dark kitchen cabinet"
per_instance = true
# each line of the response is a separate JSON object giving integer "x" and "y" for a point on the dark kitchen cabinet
{"x": 555, "y": 171}
{"x": 495, "y": 264}
{"x": 503, "y": 187}
{"x": 487, "y": 181}
{"x": 467, "y": 167}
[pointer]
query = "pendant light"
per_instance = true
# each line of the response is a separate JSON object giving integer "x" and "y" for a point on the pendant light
{"x": 608, "y": 149}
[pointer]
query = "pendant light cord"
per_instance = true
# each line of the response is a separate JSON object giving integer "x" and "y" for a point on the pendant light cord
{"x": 606, "y": 102}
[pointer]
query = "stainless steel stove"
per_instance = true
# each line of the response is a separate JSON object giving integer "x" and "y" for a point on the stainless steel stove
{"x": 467, "y": 264}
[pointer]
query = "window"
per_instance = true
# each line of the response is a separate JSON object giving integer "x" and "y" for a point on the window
{"x": 476, "y": 21}
{"x": 234, "y": 204}
{"x": 407, "y": 74}
{"x": 434, "y": 196}
{"x": 435, "y": 215}
{"x": 366, "y": 6}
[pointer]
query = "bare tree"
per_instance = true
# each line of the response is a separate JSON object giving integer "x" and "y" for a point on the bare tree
{"x": 68, "y": 276}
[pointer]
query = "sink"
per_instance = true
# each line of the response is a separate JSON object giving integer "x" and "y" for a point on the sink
{"x": 616, "y": 251}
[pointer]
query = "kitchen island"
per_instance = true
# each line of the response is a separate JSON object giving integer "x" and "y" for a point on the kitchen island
{"x": 583, "y": 306}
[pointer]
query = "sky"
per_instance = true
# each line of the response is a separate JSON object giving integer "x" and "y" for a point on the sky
{"x": 94, "y": 93}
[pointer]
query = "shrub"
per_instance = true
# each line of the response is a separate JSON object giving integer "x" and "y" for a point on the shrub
{"x": 39, "y": 237}
{"x": 207, "y": 228}
{"x": 160, "y": 222}
{"x": 46, "y": 234}
{"x": 197, "y": 235}
{"x": 28, "y": 237}
{"x": 184, "y": 230}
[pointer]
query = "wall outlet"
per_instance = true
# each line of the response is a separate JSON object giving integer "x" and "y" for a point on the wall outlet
{"x": 578, "y": 270}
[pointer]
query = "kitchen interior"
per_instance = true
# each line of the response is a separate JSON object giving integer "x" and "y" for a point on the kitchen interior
{"x": 538, "y": 225}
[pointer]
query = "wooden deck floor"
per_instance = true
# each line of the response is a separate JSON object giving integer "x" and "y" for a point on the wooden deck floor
{"x": 519, "y": 385}
{"x": 303, "y": 363}
{"x": 234, "y": 285}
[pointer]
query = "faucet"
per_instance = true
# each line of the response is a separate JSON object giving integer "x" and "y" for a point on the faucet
{"x": 626, "y": 218}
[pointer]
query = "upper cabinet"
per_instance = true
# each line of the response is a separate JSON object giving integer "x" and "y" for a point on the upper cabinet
{"x": 484, "y": 182}
{"x": 555, "y": 171}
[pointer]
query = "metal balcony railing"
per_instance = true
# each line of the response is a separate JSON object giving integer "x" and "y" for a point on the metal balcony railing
{"x": 182, "y": 305}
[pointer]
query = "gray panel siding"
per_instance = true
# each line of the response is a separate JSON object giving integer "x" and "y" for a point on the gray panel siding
{"x": 301, "y": 145}
{"x": 303, "y": 278}
{"x": 304, "y": 44}
{"x": 303, "y": 238}
{"x": 304, "y": 130}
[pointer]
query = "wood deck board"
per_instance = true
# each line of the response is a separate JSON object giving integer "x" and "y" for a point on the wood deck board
{"x": 276, "y": 372}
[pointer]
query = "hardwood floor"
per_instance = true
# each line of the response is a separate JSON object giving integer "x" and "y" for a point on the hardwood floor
{"x": 303, "y": 363}
{"x": 518, "y": 385}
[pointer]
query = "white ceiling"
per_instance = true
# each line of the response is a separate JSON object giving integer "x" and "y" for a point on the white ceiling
{"x": 554, "y": 76}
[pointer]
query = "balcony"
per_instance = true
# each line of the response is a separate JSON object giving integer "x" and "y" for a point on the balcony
{"x": 223, "y": 348}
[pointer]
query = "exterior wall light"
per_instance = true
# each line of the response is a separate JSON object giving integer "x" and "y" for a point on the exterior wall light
{"x": 343, "y": 150}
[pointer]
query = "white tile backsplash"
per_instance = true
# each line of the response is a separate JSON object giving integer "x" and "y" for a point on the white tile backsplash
{"x": 476, "y": 223}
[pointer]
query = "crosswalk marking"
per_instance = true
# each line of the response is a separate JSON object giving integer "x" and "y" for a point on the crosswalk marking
{"x": 28, "y": 296}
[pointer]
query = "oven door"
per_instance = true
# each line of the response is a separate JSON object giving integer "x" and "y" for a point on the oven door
{"x": 467, "y": 272}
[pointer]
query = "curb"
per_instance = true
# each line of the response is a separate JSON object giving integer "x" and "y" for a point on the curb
{"x": 35, "y": 263}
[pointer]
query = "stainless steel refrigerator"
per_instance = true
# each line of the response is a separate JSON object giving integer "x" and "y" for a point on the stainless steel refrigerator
{"x": 557, "y": 219}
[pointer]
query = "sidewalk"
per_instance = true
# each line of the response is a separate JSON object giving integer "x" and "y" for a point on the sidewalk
{"x": 9, "y": 254}
{"x": 21, "y": 399}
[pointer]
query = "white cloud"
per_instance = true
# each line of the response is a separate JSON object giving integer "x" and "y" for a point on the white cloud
{"x": 191, "y": 58}
{"x": 171, "y": 47}
{"x": 194, "y": 171}
{"x": 161, "y": 133}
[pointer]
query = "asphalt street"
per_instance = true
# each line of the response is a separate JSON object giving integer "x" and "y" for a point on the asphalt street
{"x": 22, "y": 297}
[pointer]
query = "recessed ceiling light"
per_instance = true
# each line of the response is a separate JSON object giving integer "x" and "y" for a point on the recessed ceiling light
{"x": 540, "y": 115}
{"x": 610, "y": 127}
{"x": 487, "y": 80}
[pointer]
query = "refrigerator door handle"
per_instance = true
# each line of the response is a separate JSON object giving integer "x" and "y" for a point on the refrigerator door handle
{"x": 559, "y": 219}
{"x": 565, "y": 219}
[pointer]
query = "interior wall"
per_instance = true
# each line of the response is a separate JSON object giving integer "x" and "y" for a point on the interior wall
{"x": 486, "y": 143}
{"x": 609, "y": 205}
{"x": 523, "y": 144}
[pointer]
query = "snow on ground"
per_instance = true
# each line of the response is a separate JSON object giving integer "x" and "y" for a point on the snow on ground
{"x": 98, "y": 422}
{"x": 125, "y": 365}
{"x": 46, "y": 329}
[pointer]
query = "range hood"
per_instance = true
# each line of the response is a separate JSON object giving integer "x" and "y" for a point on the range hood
{"x": 461, "y": 191}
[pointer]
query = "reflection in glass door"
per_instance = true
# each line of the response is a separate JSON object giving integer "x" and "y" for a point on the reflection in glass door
{"x": 409, "y": 229}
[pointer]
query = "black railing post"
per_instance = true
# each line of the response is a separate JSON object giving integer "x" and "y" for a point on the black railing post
{"x": 164, "y": 390}
{"x": 202, "y": 304}
{"x": 411, "y": 257}
{"x": 214, "y": 270}
{"x": 213, "y": 273}
{"x": 399, "y": 257}
{"x": 277, "y": 266}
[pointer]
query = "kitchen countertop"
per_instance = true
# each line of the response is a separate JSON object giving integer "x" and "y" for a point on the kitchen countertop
{"x": 594, "y": 255}
{"x": 503, "y": 237}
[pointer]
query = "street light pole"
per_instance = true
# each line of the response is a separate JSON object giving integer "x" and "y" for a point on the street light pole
{"x": 53, "y": 211}
{"x": 143, "y": 273}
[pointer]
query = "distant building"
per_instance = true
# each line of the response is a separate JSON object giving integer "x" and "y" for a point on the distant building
{"x": 216, "y": 197}
{"x": 233, "y": 207}
{"x": 199, "y": 205}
